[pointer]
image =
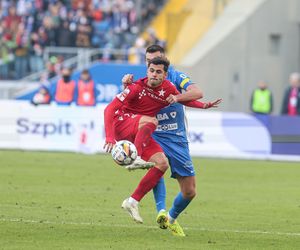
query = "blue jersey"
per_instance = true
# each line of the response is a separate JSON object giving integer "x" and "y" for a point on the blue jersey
{"x": 171, "y": 120}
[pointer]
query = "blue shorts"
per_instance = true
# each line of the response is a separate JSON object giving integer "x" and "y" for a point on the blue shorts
{"x": 178, "y": 154}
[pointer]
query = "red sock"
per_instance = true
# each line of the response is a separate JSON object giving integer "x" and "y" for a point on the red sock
{"x": 143, "y": 136}
{"x": 148, "y": 182}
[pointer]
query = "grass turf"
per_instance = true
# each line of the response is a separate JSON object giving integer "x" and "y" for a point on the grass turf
{"x": 72, "y": 201}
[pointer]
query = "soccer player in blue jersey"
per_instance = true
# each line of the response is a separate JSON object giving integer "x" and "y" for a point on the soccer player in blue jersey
{"x": 171, "y": 134}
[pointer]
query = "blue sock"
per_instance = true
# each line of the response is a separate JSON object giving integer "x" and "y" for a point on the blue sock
{"x": 179, "y": 205}
{"x": 159, "y": 192}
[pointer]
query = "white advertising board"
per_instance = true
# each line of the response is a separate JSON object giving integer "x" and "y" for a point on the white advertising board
{"x": 58, "y": 128}
{"x": 73, "y": 128}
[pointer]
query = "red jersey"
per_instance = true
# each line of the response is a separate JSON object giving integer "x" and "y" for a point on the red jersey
{"x": 141, "y": 99}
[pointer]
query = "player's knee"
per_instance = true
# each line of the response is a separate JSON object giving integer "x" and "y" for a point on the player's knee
{"x": 189, "y": 194}
{"x": 162, "y": 164}
{"x": 154, "y": 121}
{"x": 148, "y": 119}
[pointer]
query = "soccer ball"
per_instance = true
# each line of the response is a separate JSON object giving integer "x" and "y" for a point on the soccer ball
{"x": 124, "y": 153}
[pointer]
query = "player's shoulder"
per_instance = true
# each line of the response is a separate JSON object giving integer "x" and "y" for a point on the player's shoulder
{"x": 171, "y": 69}
{"x": 141, "y": 82}
{"x": 176, "y": 76}
{"x": 138, "y": 84}
{"x": 168, "y": 84}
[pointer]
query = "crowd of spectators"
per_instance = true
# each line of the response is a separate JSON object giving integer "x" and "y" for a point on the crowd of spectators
{"x": 28, "y": 26}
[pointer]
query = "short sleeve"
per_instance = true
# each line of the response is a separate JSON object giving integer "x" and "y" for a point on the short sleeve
{"x": 181, "y": 80}
{"x": 184, "y": 80}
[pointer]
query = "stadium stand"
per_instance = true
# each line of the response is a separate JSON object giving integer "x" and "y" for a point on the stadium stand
{"x": 27, "y": 28}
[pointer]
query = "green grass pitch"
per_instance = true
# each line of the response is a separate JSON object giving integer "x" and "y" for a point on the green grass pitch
{"x": 72, "y": 201}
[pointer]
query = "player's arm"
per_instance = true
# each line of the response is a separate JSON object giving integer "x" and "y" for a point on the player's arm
{"x": 122, "y": 98}
{"x": 193, "y": 92}
{"x": 202, "y": 105}
{"x": 109, "y": 112}
{"x": 194, "y": 104}
{"x": 127, "y": 80}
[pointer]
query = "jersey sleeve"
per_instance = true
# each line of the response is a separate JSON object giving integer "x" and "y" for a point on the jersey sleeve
{"x": 195, "y": 104}
{"x": 128, "y": 93}
{"x": 181, "y": 80}
{"x": 109, "y": 112}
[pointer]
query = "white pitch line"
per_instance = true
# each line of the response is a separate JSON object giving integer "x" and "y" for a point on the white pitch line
{"x": 144, "y": 226}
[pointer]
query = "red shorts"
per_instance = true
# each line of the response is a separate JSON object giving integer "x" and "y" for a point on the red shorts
{"x": 126, "y": 128}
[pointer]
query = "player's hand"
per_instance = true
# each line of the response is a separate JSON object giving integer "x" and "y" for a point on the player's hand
{"x": 213, "y": 104}
{"x": 171, "y": 99}
{"x": 108, "y": 146}
{"x": 127, "y": 80}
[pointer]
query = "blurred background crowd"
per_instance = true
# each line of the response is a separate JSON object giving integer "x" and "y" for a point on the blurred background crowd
{"x": 27, "y": 27}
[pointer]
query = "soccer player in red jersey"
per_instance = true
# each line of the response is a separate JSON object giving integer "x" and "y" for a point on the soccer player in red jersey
{"x": 131, "y": 116}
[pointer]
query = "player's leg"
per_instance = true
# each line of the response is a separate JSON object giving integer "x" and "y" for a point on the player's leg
{"x": 146, "y": 127}
{"x": 159, "y": 192}
{"x": 181, "y": 201}
{"x": 127, "y": 127}
{"x": 182, "y": 169}
{"x": 184, "y": 197}
{"x": 149, "y": 181}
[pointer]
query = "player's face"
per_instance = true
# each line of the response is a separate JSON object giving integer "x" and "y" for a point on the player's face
{"x": 156, "y": 75}
{"x": 85, "y": 77}
{"x": 150, "y": 56}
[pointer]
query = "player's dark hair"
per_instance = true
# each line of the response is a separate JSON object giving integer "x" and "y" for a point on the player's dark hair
{"x": 160, "y": 60}
{"x": 154, "y": 48}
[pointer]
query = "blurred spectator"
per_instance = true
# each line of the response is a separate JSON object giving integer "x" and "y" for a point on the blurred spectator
{"x": 65, "y": 88}
{"x": 84, "y": 30}
{"x": 148, "y": 10}
{"x": 136, "y": 54}
{"x": 12, "y": 20}
{"x": 54, "y": 66}
{"x": 262, "y": 99}
{"x": 21, "y": 52}
{"x": 42, "y": 96}
{"x": 65, "y": 35}
{"x": 50, "y": 70}
{"x": 86, "y": 90}
{"x": 6, "y": 55}
{"x": 58, "y": 63}
{"x": 152, "y": 38}
{"x": 291, "y": 99}
{"x": 36, "y": 53}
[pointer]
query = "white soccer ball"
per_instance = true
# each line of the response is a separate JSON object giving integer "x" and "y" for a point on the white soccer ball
{"x": 124, "y": 153}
